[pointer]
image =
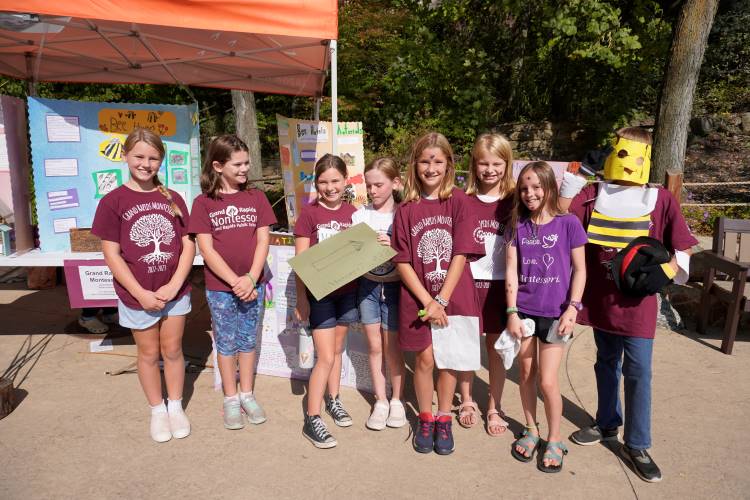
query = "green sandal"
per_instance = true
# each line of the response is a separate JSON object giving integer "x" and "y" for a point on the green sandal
{"x": 529, "y": 442}
{"x": 549, "y": 454}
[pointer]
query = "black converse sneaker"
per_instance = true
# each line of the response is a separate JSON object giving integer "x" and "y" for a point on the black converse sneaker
{"x": 336, "y": 410}
{"x": 317, "y": 432}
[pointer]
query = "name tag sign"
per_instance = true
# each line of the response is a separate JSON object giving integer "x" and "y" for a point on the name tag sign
{"x": 90, "y": 284}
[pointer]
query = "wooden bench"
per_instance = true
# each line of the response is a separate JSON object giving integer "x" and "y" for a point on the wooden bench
{"x": 728, "y": 259}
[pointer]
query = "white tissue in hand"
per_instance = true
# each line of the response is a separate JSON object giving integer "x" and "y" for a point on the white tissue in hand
{"x": 507, "y": 345}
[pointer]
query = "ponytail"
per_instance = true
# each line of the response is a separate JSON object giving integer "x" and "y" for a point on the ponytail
{"x": 164, "y": 191}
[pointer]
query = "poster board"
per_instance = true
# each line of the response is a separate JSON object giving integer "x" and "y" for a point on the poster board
{"x": 89, "y": 284}
{"x": 76, "y": 157}
{"x": 302, "y": 143}
{"x": 278, "y": 344}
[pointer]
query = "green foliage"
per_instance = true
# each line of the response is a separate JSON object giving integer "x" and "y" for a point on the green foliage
{"x": 701, "y": 220}
{"x": 724, "y": 84}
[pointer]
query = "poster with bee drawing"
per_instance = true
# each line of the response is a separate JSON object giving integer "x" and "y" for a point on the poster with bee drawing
{"x": 78, "y": 154}
{"x": 304, "y": 142}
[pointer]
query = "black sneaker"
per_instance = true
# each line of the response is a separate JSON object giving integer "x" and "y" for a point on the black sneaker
{"x": 443, "y": 436}
{"x": 336, "y": 410}
{"x": 317, "y": 432}
{"x": 593, "y": 435}
{"x": 642, "y": 464}
{"x": 424, "y": 435}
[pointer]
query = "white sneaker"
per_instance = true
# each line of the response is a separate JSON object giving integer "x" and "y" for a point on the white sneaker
{"x": 179, "y": 424}
{"x": 396, "y": 415}
{"x": 160, "y": 427}
{"x": 379, "y": 414}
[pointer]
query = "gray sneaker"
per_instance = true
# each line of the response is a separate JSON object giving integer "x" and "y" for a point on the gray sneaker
{"x": 336, "y": 410}
{"x": 253, "y": 410}
{"x": 233, "y": 414}
{"x": 593, "y": 435}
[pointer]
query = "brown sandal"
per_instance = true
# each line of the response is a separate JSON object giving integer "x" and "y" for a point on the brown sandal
{"x": 468, "y": 409}
{"x": 502, "y": 424}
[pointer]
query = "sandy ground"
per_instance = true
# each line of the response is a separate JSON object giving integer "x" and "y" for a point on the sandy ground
{"x": 79, "y": 433}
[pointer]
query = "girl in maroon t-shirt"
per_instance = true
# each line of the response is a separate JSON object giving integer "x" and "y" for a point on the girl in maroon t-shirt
{"x": 490, "y": 187}
{"x": 330, "y": 316}
{"x": 143, "y": 227}
{"x": 231, "y": 221}
{"x": 432, "y": 238}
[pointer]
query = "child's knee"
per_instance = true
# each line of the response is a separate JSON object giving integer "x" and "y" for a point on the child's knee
{"x": 549, "y": 385}
{"x": 171, "y": 353}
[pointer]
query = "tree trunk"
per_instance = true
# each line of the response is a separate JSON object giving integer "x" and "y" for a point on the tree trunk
{"x": 246, "y": 122}
{"x": 676, "y": 97}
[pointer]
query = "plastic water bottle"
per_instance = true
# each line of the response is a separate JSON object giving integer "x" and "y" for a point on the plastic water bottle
{"x": 306, "y": 348}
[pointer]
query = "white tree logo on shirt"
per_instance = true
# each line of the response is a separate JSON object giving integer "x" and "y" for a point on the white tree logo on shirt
{"x": 435, "y": 245}
{"x": 156, "y": 229}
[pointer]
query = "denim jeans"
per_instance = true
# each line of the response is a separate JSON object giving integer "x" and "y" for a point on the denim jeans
{"x": 636, "y": 369}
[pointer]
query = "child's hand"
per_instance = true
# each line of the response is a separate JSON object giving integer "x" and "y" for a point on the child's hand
{"x": 384, "y": 239}
{"x": 302, "y": 309}
{"x": 515, "y": 326}
{"x": 435, "y": 313}
{"x": 166, "y": 293}
{"x": 567, "y": 321}
{"x": 244, "y": 289}
{"x": 150, "y": 302}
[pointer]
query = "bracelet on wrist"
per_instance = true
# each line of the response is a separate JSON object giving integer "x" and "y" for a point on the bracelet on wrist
{"x": 441, "y": 300}
{"x": 252, "y": 280}
{"x": 511, "y": 310}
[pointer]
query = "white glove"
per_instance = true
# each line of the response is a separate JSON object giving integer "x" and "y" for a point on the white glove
{"x": 572, "y": 185}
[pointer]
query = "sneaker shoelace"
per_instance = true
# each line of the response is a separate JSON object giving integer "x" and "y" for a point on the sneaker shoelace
{"x": 319, "y": 428}
{"x": 425, "y": 427}
{"x": 442, "y": 429}
{"x": 337, "y": 410}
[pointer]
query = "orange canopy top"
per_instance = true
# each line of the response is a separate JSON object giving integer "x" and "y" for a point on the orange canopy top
{"x": 274, "y": 46}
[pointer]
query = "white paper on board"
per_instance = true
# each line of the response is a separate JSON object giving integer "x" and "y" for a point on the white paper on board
{"x": 61, "y": 167}
{"x": 4, "y": 163}
{"x": 96, "y": 283}
{"x": 63, "y": 129}
{"x": 64, "y": 225}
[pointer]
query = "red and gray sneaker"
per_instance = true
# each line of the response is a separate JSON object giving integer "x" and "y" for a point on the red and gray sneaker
{"x": 444, "y": 435}
{"x": 424, "y": 435}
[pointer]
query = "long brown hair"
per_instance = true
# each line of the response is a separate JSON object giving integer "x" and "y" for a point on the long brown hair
{"x": 521, "y": 212}
{"x": 220, "y": 150}
{"x": 153, "y": 140}
{"x": 413, "y": 186}
{"x": 390, "y": 169}
{"x": 498, "y": 145}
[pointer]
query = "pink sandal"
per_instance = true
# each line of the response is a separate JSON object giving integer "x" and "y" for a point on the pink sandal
{"x": 502, "y": 424}
{"x": 463, "y": 411}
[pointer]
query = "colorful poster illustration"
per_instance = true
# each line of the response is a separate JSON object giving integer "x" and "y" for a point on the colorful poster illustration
{"x": 77, "y": 157}
{"x": 302, "y": 143}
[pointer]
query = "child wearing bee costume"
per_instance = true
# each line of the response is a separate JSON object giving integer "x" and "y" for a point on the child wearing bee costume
{"x": 621, "y": 310}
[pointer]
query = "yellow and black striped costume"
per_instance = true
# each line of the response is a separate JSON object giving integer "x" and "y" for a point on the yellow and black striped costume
{"x": 616, "y": 232}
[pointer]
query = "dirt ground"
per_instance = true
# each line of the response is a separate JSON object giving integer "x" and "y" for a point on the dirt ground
{"x": 79, "y": 433}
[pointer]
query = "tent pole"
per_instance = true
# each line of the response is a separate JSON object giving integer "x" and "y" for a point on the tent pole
{"x": 334, "y": 98}
{"x": 316, "y": 114}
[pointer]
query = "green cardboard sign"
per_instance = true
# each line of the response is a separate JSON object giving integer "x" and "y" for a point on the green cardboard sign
{"x": 342, "y": 258}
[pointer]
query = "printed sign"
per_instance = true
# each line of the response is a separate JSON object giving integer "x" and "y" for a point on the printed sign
{"x": 90, "y": 284}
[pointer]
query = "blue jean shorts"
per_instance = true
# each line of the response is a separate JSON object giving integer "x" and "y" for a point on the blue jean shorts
{"x": 332, "y": 310}
{"x": 138, "y": 319}
{"x": 235, "y": 322}
{"x": 378, "y": 303}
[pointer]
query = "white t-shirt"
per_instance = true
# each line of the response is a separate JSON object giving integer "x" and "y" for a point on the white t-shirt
{"x": 382, "y": 223}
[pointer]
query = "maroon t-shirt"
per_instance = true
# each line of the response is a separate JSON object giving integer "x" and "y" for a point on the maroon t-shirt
{"x": 492, "y": 219}
{"x": 232, "y": 221}
{"x": 604, "y": 307}
{"x": 149, "y": 234}
{"x": 320, "y": 223}
{"x": 427, "y": 234}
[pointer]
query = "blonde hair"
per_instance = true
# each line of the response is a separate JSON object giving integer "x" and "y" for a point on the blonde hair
{"x": 413, "y": 186}
{"x": 548, "y": 182}
{"x": 153, "y": 140}
{"x": 390, "y": 169}
{"x": 220, "y": 150}
{"x": 497, "y": 145}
